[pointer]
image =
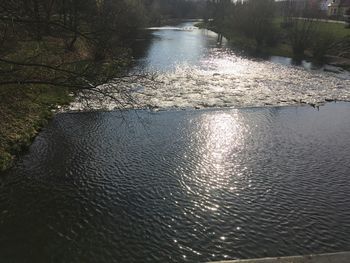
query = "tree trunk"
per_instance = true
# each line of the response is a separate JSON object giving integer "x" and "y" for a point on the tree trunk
{"x": 37, "y": 20}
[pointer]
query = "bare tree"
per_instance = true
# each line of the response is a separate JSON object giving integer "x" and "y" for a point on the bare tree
{"x": 77, "y": 44}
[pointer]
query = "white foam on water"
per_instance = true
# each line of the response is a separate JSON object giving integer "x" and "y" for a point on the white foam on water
{"x": 226, "y": 81}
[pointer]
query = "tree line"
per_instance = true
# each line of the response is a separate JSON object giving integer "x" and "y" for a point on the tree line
{"x": 78, "y": 44}
{"x": 268, "y": 23}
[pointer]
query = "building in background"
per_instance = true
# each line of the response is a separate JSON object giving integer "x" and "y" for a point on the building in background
{"x": 335, "y": 9}
{"x": 324, "y": 5}
{"x": 338, "y": 8}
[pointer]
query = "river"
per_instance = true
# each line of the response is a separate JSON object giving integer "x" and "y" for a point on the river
{"x": 182, "y": 185}
{"x": 191, "y": 70}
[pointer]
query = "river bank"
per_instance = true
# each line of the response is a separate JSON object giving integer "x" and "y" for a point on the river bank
{"x": 26, "y": 108}
{"x": 24, "y": 111}
{"x": 202, "y": 75}
{"x": 191, "y": 71}
{"x": 282, "y": 47}
{"x": 340, "y": 257}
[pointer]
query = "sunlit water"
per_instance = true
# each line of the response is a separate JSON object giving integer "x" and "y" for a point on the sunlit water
{"x": 178, "y": 186}
{"x": 193, "y": 71}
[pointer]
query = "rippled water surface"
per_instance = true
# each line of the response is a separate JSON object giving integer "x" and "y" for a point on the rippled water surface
{"x": 178, "y": 186}
{"x": 193, "y": 71}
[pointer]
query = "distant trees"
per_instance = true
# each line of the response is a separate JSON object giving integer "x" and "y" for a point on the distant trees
{"x": 251, "y": 18}
{"x": 301, "y": 32}
{"x": 93, "y": 20}
{"x": 78, "y": 44}
{"x": 262, "y": 24}
{"x": 306, "y": 33}
{"x": 165, "y": 9}
{"x": 69, "y": 19}
{"x": 257, "y": 20}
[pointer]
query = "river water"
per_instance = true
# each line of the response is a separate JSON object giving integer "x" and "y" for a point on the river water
{"x": 181, "y": 186}
{"x": 192, "y": 71}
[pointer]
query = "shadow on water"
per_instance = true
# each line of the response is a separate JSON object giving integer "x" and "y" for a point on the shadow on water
{"x": 287, "y": 61}
{"x": 141, "y": 43}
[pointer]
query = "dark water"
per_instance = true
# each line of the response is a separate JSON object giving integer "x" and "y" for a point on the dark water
{"x": 179, "y": 186}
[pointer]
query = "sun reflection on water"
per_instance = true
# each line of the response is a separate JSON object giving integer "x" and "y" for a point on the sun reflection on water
{"x": 224, "y": 137}
{"x": 212, "y": 169}
{"x": 212, "y": 156}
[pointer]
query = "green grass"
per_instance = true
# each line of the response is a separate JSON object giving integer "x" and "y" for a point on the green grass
{"x": 281, "y": 47}
{"x": 24, "y": 110}
{"x": 337, "y": 30}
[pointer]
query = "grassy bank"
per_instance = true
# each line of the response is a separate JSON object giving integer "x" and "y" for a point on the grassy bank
{"x": 337, "y": 30}
{"x": 24, "y": 110}
{"x": 281, "y": 46}
{"x": 247, "y": 44}
{"x": 49, "y": 50}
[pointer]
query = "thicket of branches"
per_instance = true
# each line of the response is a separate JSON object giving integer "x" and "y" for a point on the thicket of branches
{"x": 71, "y": 43}
{"x": 251, "y": 18}
{"x": 305, "y": 32}
{"x": 258, "y": 20}
{"x": 79, "y": 44}
{"x": 164, "y": 9}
